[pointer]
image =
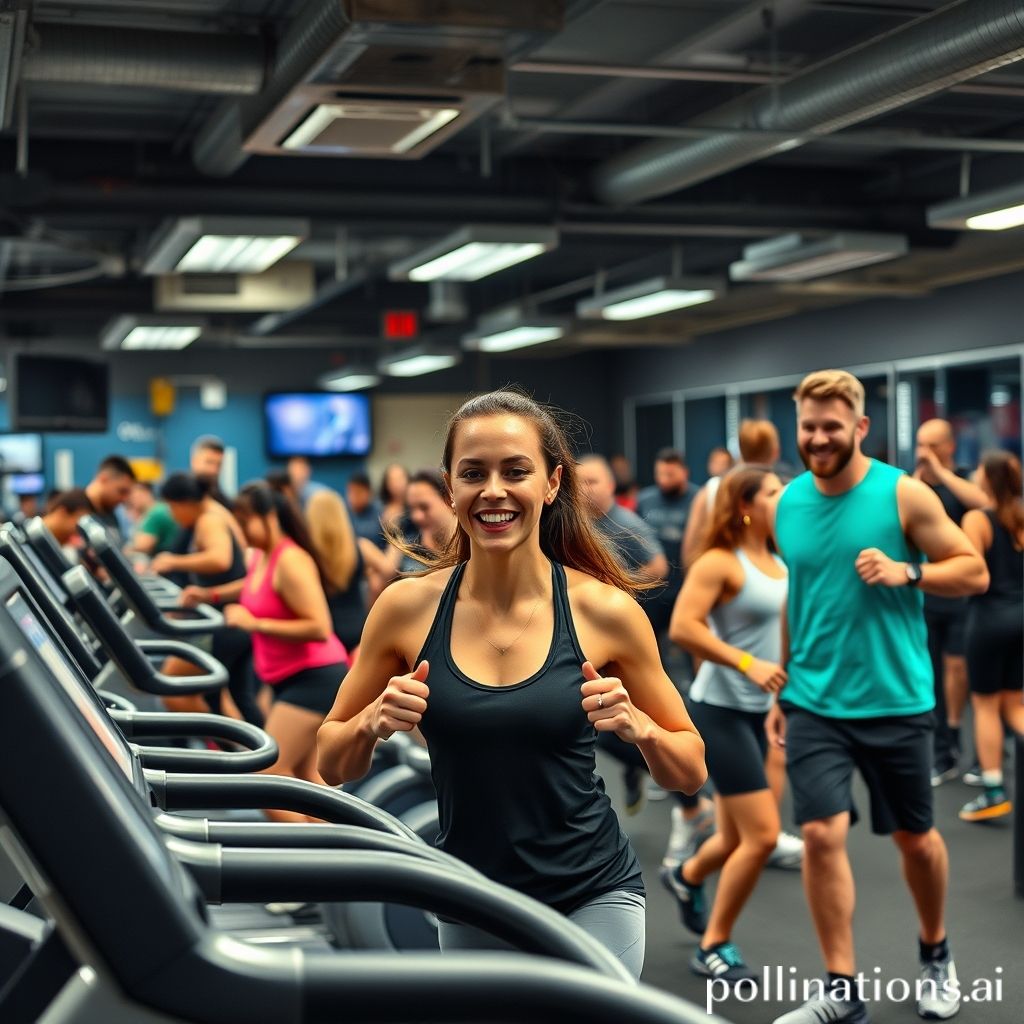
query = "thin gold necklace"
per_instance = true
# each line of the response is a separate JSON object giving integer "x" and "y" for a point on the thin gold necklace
{"x": 503, "y": 650}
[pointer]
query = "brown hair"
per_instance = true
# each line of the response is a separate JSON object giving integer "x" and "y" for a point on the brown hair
{"x": 759, "y": 441}
{"x": 567, "y": 534}
{"x": 71, "y": 501}
{"x": 330, "y": 530}
{"x": 1002, "y": 471}
{"x": 725, "y": 527}
{"x": 822, "y": 385}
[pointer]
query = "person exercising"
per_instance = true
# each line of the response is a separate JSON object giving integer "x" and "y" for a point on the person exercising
{"x": 511, "y": 653}
{"x": 860, "y": 691}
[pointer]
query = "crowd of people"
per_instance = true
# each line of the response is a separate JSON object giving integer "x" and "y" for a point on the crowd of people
{"x": 522, "y": 606}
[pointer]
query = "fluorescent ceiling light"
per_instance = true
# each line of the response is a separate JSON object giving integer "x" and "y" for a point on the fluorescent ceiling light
{"x": 350, "y": 380}
{"x": 510, "y": 330}
{"x": 796, "y": 258}
{"x": 138, "y": 333}
{"x": 649, "y": 298}
{"x": 224, "y": 245}
{"x": 474, "y": 252}
{"x": 409, "y": 125}
{"x": 986, "y": 211}
{"x": 518, "y": 337}
{"x": 418, "y": 360}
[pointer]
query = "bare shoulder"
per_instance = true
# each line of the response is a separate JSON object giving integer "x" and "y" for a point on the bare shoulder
{"x": 400, "y": 618}
{"x": 717, "y": 563}
{"x": 601, "y": 603}
{"x": 916, "y": 493}
{"x": 411, "y": 594}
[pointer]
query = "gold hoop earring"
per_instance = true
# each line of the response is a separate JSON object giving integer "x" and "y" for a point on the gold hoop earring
{"x": 746, "y": 520}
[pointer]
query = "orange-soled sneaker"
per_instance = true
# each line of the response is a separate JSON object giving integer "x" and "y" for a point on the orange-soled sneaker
{"x": 990, "y": 804}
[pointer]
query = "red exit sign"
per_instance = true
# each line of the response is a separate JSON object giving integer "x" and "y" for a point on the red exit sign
{"x": 400, "y": 324}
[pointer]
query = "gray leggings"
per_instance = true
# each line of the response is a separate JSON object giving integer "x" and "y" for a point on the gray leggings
{"x": 615, "y": 919}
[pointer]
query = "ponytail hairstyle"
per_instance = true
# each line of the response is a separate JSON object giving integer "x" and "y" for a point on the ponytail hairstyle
{"x": 260, "y": 499}
{"x": 1003, "y": 474}
{"x": 567, "y": 533}
{"x": 185, "y": 487}
{"x": 725, "y": 527}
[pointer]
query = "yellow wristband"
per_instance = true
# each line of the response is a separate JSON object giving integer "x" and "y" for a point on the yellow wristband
{"x": 745, "y": 662}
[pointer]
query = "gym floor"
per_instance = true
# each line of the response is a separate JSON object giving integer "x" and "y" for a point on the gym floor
{"x": 986, "y": 922}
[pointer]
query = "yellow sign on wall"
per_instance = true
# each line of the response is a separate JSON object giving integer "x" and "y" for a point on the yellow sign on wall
{"x": 161, "y": 396}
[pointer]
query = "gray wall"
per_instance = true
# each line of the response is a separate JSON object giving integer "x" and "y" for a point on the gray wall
{"x": 979, "y": 315}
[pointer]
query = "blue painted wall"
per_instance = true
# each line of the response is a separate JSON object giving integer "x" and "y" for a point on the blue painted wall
{"x": 136, "y": 433}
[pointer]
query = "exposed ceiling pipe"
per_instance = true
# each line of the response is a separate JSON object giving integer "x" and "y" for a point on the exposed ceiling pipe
{"x": 958, "y": 42}
{"x": 734, "y": 31}
{"x": 217, "y": 149}
{"x": 178, "y": 61}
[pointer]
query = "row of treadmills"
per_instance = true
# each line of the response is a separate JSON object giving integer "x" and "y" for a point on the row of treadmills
{"x": 110, "y": 872}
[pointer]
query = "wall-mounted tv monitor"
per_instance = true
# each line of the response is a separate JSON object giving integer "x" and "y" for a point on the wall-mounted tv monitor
{"x": 59, "y": 393}
{"x": 317, "y": 424}
{"x": 21, "y": 453}
{"x": 27, "y": 483}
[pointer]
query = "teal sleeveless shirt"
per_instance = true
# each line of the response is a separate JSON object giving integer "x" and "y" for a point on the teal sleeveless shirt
{"x": 854, "y": 651}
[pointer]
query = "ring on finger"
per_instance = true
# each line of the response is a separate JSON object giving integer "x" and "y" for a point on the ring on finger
{"x": 600, "y": 700}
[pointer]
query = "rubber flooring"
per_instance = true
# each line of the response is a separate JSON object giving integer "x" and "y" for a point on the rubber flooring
{"x": 985, "y": 920}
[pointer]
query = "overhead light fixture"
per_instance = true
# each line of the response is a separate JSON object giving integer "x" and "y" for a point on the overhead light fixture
{"x": 986, "y": 211}
{"x": 395, "y": 127}
{"x": 351, "y": 379}
{"x": 418, "y": 360}
{"x": 224, "y": 245}
{"x": 474, "y": 252}
{"x": 798, "y": 258}
{"x": 143, "y": 332}
{"x": 650, "y": 298}
{"x": 512, "y": 329}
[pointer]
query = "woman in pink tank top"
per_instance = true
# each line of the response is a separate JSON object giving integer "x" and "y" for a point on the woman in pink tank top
{"x": 283, "y": 606}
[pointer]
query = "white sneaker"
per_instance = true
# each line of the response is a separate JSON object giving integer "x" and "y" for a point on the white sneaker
{"x": 686, "y": 837}
{"x": 788, "y": 853}
{"x": 939, "y": 990}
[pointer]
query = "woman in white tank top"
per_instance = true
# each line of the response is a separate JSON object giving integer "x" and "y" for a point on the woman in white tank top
{"x": 728, "y": 614}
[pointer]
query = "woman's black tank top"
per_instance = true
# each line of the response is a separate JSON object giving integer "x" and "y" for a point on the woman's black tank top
{"x": 513, "y": 766}
{"x": 348, "y": 609}
{"x": 1005, "y": 563}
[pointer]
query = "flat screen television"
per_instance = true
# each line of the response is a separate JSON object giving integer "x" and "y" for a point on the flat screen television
{"x": 59, "y": 393}
{"x": 27, "y": 483}
{"x": 21, "y": 453}
{"x": 316, "y": 424}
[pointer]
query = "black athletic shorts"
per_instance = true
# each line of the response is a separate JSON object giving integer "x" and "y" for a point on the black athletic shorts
{"x": 735, "y": 746}
{"x": 995, "y": 640}
{"x": 946, "y": 629}
{"x": 313, "y": 688}
{"x": 893, "y": 754}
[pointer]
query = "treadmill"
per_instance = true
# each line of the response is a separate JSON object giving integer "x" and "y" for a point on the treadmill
{"x": 138, "y": 940}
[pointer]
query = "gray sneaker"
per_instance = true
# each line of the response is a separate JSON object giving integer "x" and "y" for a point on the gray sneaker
{"x": 826, "y": 1011}
{"x": 687, "y": 837}
{"x": 938, "y": 990}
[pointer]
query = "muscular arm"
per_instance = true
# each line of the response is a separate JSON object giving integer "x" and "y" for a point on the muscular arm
{"x": 668, "y": 740}
{"x": 954, "y": 568}
{"x": 346, "y": 740}
{"x": 213, "y": 550}
{"x": 705, "y": 585}
{"x": 969, "y": 494}
{"x": 694, "y": 526}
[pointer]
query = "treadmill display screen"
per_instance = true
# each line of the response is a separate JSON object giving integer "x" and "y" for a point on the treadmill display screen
{"x": 67, "y": 677}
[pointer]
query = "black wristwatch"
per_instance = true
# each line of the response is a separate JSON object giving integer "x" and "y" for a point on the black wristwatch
{"x": 913, "y": 574}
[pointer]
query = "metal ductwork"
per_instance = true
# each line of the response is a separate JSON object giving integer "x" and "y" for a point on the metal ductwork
{"x": 351, "y": 78}
{"x": 179, "y": 61}
{"x": 959, "y": 42}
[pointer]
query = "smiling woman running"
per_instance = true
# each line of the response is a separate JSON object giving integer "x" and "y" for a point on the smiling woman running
{"x": 493, "y": 653}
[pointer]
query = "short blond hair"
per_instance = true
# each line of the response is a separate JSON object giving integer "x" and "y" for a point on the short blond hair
{"x": 759, "y": 441}
{"x": 822, "y": 385}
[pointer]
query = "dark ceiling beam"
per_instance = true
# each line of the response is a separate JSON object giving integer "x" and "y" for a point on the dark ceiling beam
{"x": 371, "y": 209}
{"x": 858, "y": 140}
{"x": 751, "y": 75}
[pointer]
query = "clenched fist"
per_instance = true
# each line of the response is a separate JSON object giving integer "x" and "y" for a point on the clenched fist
{"x": 876, "y": 568}
{"x": 400, "y": 707}
{"x": 609, "y": 708}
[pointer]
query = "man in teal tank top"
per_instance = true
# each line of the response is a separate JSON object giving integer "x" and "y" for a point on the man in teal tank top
{"x": 862, "y": 541}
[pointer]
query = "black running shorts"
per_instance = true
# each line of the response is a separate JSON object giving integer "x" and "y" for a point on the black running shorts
{"x": 735, "y": 745}
{"x": 313, "y": 688}
{"x": 894, "y": 756}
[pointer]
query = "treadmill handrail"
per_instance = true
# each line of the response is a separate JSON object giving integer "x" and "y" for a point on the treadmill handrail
{"x": 45, "y": 545}
{"x": 204, "y": 619}
{"x": 233, "y": 875}
{"x": 260, "y": 751}
{"x": 174, "y": 792}
{"x": 129, "y": 656}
